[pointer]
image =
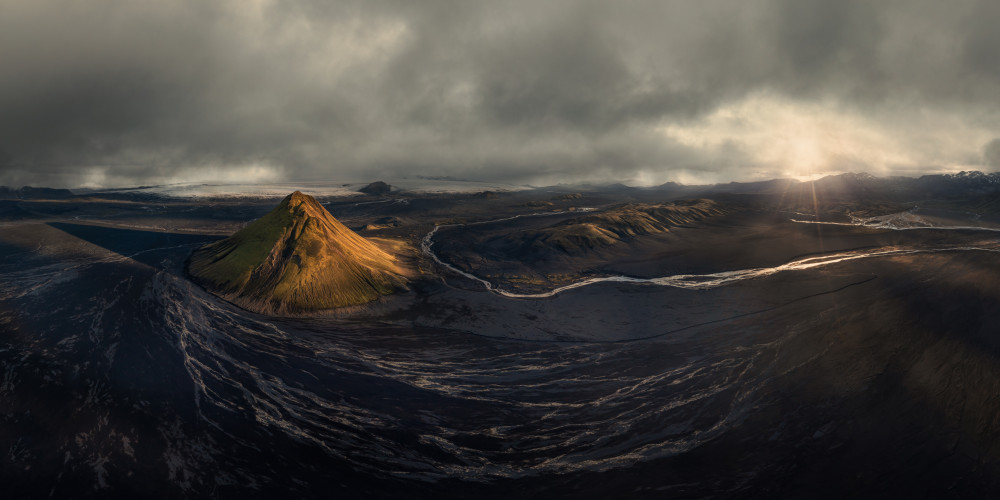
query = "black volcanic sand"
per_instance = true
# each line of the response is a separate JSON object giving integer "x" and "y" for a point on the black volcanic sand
{"x": 608, "y": 312}
{"x": 120, "y": 378}
{"x": 740, "y": 240}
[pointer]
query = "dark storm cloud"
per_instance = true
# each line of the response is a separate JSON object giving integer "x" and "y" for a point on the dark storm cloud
{"x": 113, "y": 92}
{"x": 991, "y": 153}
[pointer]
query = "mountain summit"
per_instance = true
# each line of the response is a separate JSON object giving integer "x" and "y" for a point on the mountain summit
{"x": 297, "y": 258}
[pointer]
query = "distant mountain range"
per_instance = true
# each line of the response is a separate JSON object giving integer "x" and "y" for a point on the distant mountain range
{"x": 33, "y": 193}
{"x": 848, "y": 184}
{"x": 855, "y": 183}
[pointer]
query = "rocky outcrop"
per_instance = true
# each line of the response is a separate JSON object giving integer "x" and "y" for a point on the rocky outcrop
{"x": 377, "y": 188}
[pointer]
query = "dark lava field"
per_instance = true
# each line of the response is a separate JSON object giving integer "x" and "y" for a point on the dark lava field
{"x": 830, "y": 339}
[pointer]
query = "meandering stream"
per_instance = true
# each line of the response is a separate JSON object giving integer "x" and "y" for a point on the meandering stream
{"x": 712, "y": 280}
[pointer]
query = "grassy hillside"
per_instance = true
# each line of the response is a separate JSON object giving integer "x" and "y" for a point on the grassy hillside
{"x": 297, "y": 258}
{"x": 606, "y": 228}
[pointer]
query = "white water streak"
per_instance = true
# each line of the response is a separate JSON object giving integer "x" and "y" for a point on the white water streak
{"x": 698, "y": 281}
{"x": 886, "y": 225}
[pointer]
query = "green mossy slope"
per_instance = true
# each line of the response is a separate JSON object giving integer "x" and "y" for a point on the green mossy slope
{"x": 295, "y": 259}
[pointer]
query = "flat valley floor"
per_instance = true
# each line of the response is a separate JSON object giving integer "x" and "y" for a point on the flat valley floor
{"x": 752, "y": 354}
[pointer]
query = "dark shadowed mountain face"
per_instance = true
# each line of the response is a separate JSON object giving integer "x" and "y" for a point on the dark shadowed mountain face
{"x": 28, "y": 192}
{"x": 376, "y": 188}
{"x": 871, "y": 188}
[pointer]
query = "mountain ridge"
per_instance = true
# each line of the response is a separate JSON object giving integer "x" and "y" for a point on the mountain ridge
{"x": 611, "y": 226}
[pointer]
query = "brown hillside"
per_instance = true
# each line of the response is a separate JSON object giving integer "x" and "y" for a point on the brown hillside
{"x": 295, "y": 259}
{"x": 609, "y": 227}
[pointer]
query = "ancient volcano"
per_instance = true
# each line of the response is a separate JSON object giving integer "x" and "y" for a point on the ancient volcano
{"x": 297, "y": 258}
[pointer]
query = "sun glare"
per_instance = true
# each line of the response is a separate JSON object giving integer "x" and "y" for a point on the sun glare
{"x": 785, "y": 138}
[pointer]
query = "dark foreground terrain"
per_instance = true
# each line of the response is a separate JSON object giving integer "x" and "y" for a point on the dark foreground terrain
{"x": 780, "y": 346}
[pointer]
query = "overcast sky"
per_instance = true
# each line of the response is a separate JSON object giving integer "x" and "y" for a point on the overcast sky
{"x": 116, "y": 93}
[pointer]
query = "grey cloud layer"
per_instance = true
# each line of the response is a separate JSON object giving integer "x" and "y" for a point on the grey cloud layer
{"x": 129, "y": 92}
